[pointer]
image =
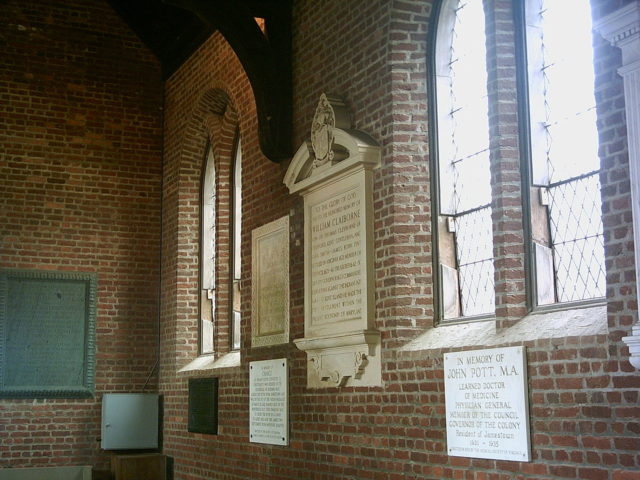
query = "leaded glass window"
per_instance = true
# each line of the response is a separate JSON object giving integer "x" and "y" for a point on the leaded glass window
{"x": 464, "y": 203}
{"x": 208, "y": 256}
{"x": 564, "y": 146}
{"x": 236, "y": 234}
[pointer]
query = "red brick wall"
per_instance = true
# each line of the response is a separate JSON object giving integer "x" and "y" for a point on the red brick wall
{"x": 94, "y": 178}
{"x": 80, "y": 176}
{"x": 582, "y": 392}
{"x": 207, "y": 100}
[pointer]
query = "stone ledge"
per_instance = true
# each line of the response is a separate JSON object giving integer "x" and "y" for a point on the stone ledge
{"x": 210, "y": 362}
{"x": 536, "y": 326}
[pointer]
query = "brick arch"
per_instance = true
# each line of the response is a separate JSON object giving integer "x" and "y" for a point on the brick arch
{"x": 214, "y": 124}
{"x": 202, "y": 126}
{"x": 213, "y": 121}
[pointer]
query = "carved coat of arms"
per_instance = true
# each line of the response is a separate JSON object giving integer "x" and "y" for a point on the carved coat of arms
{"x": 322, "y": 127}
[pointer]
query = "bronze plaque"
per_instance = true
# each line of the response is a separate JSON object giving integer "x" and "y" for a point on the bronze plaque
{"x": 47, "y": 334}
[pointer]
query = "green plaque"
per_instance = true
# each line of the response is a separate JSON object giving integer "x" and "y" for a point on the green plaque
{"x": 47, "y": 334}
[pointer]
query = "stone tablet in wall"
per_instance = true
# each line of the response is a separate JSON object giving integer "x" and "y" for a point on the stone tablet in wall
{"x": 334, "y": 174}
{"x": 487, "y": 408}
{"x": 338, "y": 274}
{"x": 47, "y": 334}
{"x": 270, "y": 284}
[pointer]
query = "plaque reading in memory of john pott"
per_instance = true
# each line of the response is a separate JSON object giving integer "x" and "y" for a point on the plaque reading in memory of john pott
{"x": 487, "y": 404}
{"x": 269, "y": 402}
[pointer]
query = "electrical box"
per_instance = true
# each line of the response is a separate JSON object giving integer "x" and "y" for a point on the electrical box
{"x": 129, "y": 421}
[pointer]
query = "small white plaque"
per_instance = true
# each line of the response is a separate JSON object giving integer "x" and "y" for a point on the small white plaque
{"x": 487, "y": 404}
{"x": 269, "y": 402}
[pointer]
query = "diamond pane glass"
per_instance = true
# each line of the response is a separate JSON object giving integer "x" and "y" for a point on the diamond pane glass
{"x": 575, "y": 209}
{"x": 573, "y": 146}
{"x": 208, "y": 212}
{"x": 473, "y": 182}
{"x": 474, "y": 255}
{"x": 471, "y": 138}
{"x": 580, "y": 269}
{"x": 570, "y": 141}
{"x": 476, "y": 285}
{"x": 468, "y": 73}
{"x": 465, "y": 181}
{"x": 576, "y": 233}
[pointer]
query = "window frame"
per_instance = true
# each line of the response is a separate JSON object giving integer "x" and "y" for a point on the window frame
{"x": 222, "y": 151}
{"x": 434, "y": 59}
{"x": 524, "y": 135}
{"x": 235, "y": 249}
{"x": 526, "y": 168}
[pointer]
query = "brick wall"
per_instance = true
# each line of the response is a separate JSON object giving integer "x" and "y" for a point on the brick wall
{"x": 80, "y": 176}
{"x": 582, "y": 391}
{"x": 206, "y": 101}
{"x": 94, "y": 177}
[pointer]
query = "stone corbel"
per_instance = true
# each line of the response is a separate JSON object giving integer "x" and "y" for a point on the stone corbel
{"x": 335, "y": 360}
{"x": 622, "y": 30}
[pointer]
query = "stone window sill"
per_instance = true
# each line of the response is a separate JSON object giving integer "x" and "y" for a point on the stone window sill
{"x": 210, "y": 362}
{"x": 575, "y": 322}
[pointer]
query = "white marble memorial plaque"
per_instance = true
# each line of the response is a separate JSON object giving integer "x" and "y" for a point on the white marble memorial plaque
{"x": 336, "y": 248}
{"x": 269, "y": 402}
{"x": 335, "y": 178}
{"x": 487, "y": 404}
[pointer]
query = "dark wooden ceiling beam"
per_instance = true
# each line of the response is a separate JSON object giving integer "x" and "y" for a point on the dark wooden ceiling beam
{"x": 266, "y": 58}
{"x": 170, "y": 32}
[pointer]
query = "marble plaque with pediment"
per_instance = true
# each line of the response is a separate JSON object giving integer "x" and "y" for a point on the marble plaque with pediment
{"x": 334, "y": 174}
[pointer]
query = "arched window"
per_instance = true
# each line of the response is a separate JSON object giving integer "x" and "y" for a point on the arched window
{"x": 208, "y": 255}
{"x": 566, "y": 217}
{"x": 462, "y": 183}
{"x": 236, "y": 236}
{"x": 213, "y": 237}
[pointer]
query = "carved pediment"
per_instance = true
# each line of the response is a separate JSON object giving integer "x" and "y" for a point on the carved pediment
{"x": 332, "y": 147}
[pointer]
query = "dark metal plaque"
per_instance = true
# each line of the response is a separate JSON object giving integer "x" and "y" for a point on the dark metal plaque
{"x": 47, "y": 334}
{"x": 203, "y": 405}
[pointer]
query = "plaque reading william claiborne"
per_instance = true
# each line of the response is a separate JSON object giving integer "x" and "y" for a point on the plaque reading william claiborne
{"x": 336, "y": 250}
{"x": 487, "y": 404}
{"x": 269, "y": 402}
{"x": 335, "y": 177}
